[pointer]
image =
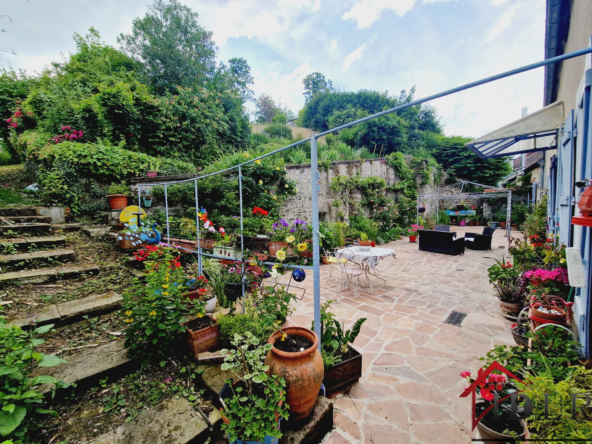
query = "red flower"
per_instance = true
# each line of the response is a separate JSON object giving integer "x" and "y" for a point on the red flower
{"x": 260, "y": 211}
{"x": 465, "y": 374}
{"x": 486, "y": 394}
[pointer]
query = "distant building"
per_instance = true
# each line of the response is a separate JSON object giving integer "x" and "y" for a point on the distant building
{"x": 291, "y": 123}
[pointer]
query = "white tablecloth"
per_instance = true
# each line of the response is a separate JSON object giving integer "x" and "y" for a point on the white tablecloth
{"x": 371, "y": 258}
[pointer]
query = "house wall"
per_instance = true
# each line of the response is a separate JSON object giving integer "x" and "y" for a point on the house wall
{"x": 300, "y": 206}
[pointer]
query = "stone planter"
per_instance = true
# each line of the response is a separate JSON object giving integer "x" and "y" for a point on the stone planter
{"x": 303, "y": 371}
{"x": 203, "y": 340}
{"x": 344, "y": 373}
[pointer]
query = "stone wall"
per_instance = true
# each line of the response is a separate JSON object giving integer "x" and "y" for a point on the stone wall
{"x": 300, "y": 206}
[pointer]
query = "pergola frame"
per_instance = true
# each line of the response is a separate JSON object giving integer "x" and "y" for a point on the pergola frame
{"x": 496, "y": 192}
{"x": 315, "y": 173}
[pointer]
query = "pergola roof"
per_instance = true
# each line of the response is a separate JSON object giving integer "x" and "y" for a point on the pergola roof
{"x": 449, "y": 192}
{"x": 535, "y": 132}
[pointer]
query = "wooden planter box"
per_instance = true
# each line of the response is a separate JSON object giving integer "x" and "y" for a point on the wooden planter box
{"x": 206, "y": 339}
{"x": 345, "y": 373}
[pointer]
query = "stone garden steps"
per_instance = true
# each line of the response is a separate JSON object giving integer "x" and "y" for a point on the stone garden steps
{"x": 36, "y": 242}
{"x": 22, "y": 219}
{"x": 25, "y": 228}
{"x": 23, "y": 260}
{"x": 69, "y": 312}
{"x": 43, "y": 275}
{"x": 18, "y": 211}
{"x": 67, "y": 227}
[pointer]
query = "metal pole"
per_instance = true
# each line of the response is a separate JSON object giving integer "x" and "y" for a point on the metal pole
{"x": 240, "y": 193}
{"x": 509, "y": 218}
{"x": 316, "y": 259}
{"x": 197, "y": 231}
{"x": 166, "y": 208}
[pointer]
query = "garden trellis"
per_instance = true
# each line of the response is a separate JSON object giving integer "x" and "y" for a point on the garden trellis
{"x": 457, "y": 192}
{"x": 315, "y": 174}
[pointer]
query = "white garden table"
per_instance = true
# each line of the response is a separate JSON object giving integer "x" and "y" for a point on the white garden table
{"x": 367, "y": 257}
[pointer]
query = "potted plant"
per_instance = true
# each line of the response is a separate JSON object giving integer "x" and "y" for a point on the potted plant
{"x": 209, "y": 236}
{"x": 200, "y": 290}
{"x": 279, "y": 232}
{"x": 203, "y": 334}
{"x": 117, "y": 195}
{"x": 505, "y": 279}
{"x": 501, "y": 427}
{"x": 146, "y": 198}
{"x": 413, "y": 232}
{"x": 295, "y": 356}
{"x": 156, "y": 309}
{"x": 154, "y": 166}
{"x": 363, "y": 240}
{"x": 234, "y": 283}
{"x": 256, "y": 231}
{"x": 328, "y": 242}
{"x": 255, "y": 404}
{"x": 555, "y": 256}
{"x": 343, "y": 363}
{"x": 188, "y": 230}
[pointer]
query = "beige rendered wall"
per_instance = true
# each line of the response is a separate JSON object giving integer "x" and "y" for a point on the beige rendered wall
{"x": 572, "y": 70}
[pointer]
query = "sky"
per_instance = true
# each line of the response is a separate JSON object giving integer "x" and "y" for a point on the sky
{"x": 384, "y": 45}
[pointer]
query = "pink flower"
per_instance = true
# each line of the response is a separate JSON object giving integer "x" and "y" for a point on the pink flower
{"x": 14, "y": 125}
{"x": 486, "y": 394}
{"x": 9, "y": 120}
{"x": 74, "y": 136}
{"x": 465, "y": 374}
{"x": 212, "y": 230}
{"x": 168, "y": 380}
{"x": 66, "y": 128}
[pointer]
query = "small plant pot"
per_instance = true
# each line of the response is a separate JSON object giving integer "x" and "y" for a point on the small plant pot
{"x": 477, "y": 224}
{"x": 471, "y": 224}
{"x": 364, "y": 243}
{"x": 151, "y": 174}
{"x": 233, "y": 291}
{"x": 325, "y": 260}
{"x": 492, "y": 436}
{"x": 147, "y": 202}
{"x": 203, "y": 340}
{"x": 519, "y": 338}
{"x": 345, "y": 373}
{"x": 208, "y": 244}
{"x": 462, "y": 223}
{"x": 510, "y": 310}
{"x": 117, "y": 201}
{"x": 373, "y": 244}
{"x": 542, "y": 311}
{"x": 412, "y": 239}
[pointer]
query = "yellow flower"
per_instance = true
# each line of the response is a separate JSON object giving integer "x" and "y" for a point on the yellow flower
{"x": 129, "y": 320}
{"x": 562, "y": 261}
{"x": 258, "y": 162}
{"x": 246, "y": 154}
{"x": 165, "y": 286}
{"x": 166, "y": 279}
{"x": 274, "y": 198}
{"x": 128, "y": 313}
{"x": 260, "y": 182}
{"x": 199, "y": 315}
{"x": 266, "y": 191}
{"x": 152, "y": 313}
{"x": 281, "y": 255}
{"x": 165, "y": 293}
{"x": 278, "y": 168}
{"x": 302, "y": 247}
{"x": 284, "y": 336}
{"x": 167, "y": 275}
{"x": 343, "y": 260}
{"x": 295, "y": 190}
{"x": 290, "y": 239}
{"x": 287, "y": 186}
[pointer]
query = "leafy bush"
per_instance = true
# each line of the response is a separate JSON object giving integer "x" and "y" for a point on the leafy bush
{"x": 20, "y": 393}
{"x": 119, "y": 188}
{"x": 258, "y": 139}
{"x": 231, "y": 325}
{"x": 278, "y": 131}
{"x": 5, "y": 157}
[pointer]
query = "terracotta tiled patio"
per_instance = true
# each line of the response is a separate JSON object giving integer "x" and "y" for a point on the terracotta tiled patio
{"x": 409, "y": 391}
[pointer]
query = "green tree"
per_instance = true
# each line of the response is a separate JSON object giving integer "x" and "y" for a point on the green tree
{"x": 462, "y": 163}
{"x": 173, "y": 48}
{"x": 266, "y": 109}
{"x": 315, "y": 84}
{"x": 239, "y": 72}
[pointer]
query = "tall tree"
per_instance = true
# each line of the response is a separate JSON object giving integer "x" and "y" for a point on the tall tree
{"x": 174, "y": 48}
{"x": 315, "y": 84}
{"x": 240, "y": 76}
{"x": 266, "y": 108}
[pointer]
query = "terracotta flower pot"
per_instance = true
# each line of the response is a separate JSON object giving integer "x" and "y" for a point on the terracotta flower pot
{"x": 207, "y": 243}
{"x": 274, "y": 247}
{"x": 303, "y": 371}
{"x": 205, "y": 339}
{"x": 555, "y": 317}
{"x": 364, "y": 243}
{"x": 412, "y": 239}
{"x": 477, "y": 224}
{"x": 308, "y": 252}
{"x": 325, "y": 260}
{"x": 496, "y": 437}
{"x": 510, "y": 309}
{"x": 117, "y": 201}
{"x": 471, "y": 224}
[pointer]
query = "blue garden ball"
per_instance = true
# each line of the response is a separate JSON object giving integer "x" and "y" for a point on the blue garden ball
{"x": 299, "y": 275}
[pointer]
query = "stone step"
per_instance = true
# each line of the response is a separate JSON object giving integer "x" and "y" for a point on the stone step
{"x": 22, "y": 260}
{"x": 21, "y": 219}
{"x": 43, "y": 275}
{"x": 68, "y": 227}
{"x": 28, "y": 242}
{"x": 88, "y": 367}
{"x": 25, "y": 228}
{"x": 172, "y": 421}
{"x": 68, "y": 312}
{"x": 18, "y": 211}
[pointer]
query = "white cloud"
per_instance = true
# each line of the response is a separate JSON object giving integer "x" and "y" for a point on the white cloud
{"x": 355, "y": 55}
{"x": 504, "y": 21}
{"x": 239, "y": 18}
{"x": 366, "y": 12}
{"x": 333, "y": 44}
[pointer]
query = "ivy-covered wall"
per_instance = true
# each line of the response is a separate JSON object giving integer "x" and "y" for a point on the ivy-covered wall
{"x": 404, "y": 176}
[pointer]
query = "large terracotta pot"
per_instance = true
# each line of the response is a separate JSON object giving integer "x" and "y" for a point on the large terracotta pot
{"x": 510, "y": 309}
{"x": 303, "y": 371}
{"x": 117, "y": 201}
{"x": 585, "y": 203}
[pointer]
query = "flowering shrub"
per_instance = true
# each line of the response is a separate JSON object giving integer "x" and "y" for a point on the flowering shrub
{"x": 260, "y": 212}
{"x": 545, "y": 282}
{"x": 17, "y": 117}
{"x": 156, "y": 309}
{"x": 208, "y": 230}
{"x": 414, "y": 229}
{"x": 73, "y": 136}
{"x": 279, "y": 231}
{"x": 505, "y": 278}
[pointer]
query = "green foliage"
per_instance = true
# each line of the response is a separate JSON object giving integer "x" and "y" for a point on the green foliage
{"x": 463, "y": 163}
{"x": 156, "y": 309}
{"x": 254, "y": 410}
{"x": 119, "y": 188}
{"x": 278, "y": 131}
{"x": 20, "y": 393}
{"x": 359, "y": 224}
{"x": 315, "y": 84}
{"x": 536, "y": 222}
{"x": 5, "y": 157}
{"x": 231, "y": 325}
{"x": 258, "y": 139}
{"x": 558, "y": 423}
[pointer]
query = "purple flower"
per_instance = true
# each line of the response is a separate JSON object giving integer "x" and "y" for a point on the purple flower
{"x": 292, "y": 230}
{"x": 168, "y": 380}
